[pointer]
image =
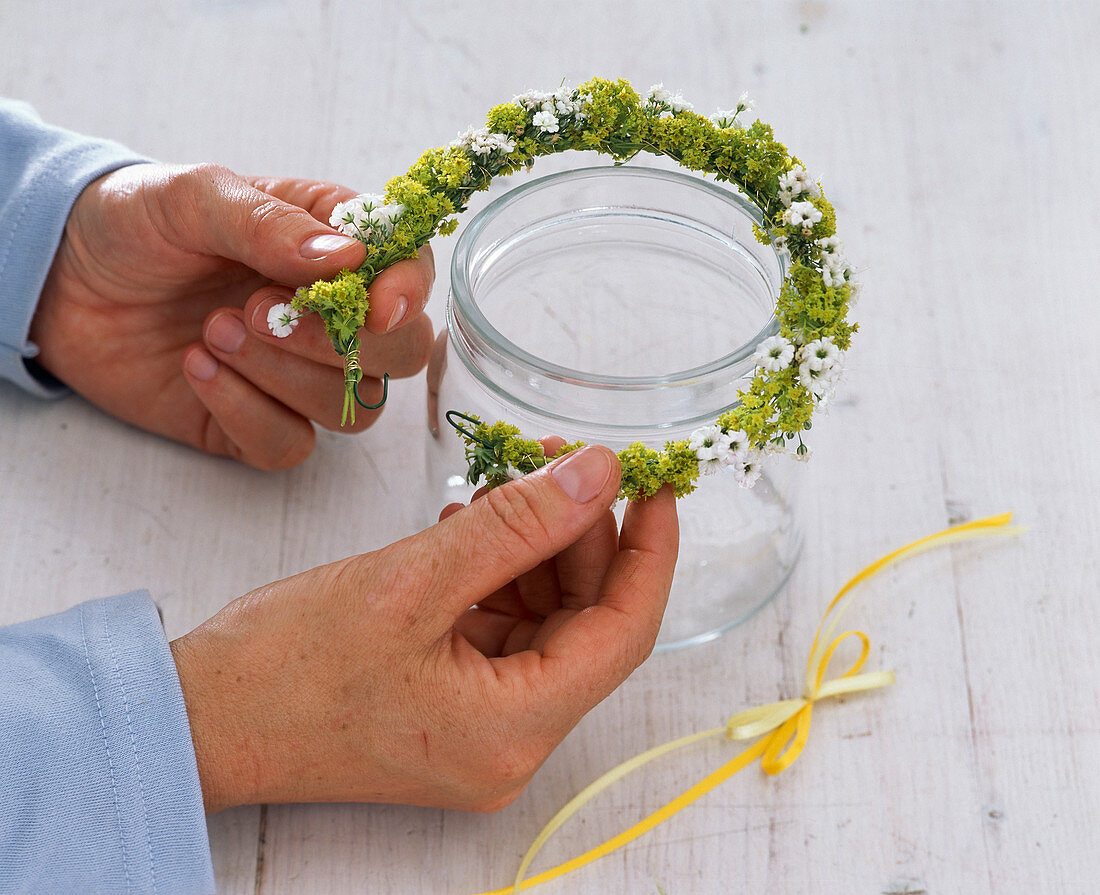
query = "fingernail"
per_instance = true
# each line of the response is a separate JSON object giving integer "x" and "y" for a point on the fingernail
{"x": 226, "y": 333}
{"x": 582, "y": 474}
{"x": 326, "y": 244}
{"x": 399, "y": 309}
{"x": 201, "y": 364}
{"x": 259, "y": 316}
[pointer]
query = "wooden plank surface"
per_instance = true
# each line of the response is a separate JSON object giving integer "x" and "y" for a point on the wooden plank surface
{"x": 957, "y": 141}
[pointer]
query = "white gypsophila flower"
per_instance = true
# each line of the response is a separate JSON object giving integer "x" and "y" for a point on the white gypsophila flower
{"x": 391, "y": 212}
{"x": 343, "y": 214}
{"x": 820, "y": 364}
{"x": 545, "y": 121}
{"x": 351, "y": 210}
{"x": 658, "y": 95}
{"x": 282, "y": 319}
{"x": 813, "y": 380}
{"x": 725, "y": 118}
{"x": 774, "y": 354}
{"x": 834, "y": 266}
{"x": 708, "y": 442}
{"x": 565, "y": 101}
{"x": 531, "y": 99}
{"x": 482, "y": 142}
{"x": 583, "y": 99}
{"x": 346, "y": 216}
{"x": 808, "y": 184}
{"x": 490, "y": 143}
{"x": 710, "y": 467}
{"x": 747, "y": 469}
{"x": 802, "y": 214}
{"x": 835, "y": 276}
{"x": 738, "y": 443}
{"x": 678, "y": 104}
{"x": 789, "y": 187}
{"x": 820, "y": 354}
{"x": 820, "y": 383}
{"x": 465, "y": 140}
{"x": 712, "y": 449}
{"x": 366, "y": 217}
{"x": 797, "y": 182}
{"x": 336, "y": 218}
{"x": 379, "y": 214}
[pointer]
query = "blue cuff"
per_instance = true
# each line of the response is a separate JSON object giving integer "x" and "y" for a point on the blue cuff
{"x": 43, "y": 170}
{"x": 99, "y": 789}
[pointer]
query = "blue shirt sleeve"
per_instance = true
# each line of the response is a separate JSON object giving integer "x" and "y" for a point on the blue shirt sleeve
{"x": 42, "y": 171}
{"x": 99, "y": 789}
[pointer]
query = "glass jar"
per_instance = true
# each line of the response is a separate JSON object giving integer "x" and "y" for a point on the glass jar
{"x": 619, "y": 304}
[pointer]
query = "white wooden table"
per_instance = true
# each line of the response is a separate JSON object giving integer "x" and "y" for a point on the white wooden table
{"x": 959, "y": 144}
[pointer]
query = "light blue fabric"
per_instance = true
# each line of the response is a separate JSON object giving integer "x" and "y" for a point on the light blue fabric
{"x": 99, "y": 790}
{"x": 42, "y": 171}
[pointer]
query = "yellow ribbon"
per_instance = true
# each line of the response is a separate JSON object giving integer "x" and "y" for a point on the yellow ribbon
{"x": 782, "y": 727}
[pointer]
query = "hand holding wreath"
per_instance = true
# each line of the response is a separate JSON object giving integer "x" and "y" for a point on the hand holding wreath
{"x": 443, "y": 669}
{"x": 156, "y": 308}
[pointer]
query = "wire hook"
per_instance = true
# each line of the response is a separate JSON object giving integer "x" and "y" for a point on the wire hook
{"x": 385, "y": 393}
{"x": 462, "y": 430}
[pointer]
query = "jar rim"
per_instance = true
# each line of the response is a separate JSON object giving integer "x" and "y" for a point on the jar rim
{"x": 471, "y": 314}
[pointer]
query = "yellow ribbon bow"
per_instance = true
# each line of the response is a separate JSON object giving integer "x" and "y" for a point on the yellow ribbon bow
{"x": 783, "y": 727}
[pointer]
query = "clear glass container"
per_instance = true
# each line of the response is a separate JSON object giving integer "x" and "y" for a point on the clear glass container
{"x": 620, "y": 304}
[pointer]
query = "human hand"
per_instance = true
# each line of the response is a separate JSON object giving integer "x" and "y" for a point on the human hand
{"x": 443, "y": 669}
{"x": 155, "y": 309}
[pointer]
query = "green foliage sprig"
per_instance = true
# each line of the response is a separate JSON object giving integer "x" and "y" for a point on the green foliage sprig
{"x": 796, "y": 371}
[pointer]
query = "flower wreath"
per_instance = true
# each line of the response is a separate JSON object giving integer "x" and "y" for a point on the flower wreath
{"x": 796, "y": 370}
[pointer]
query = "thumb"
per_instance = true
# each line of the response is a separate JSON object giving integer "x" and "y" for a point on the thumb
{"x": 224, "y": 215}
{"x": 513, "y": 528}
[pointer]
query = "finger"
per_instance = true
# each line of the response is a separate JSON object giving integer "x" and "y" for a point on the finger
{"x": 449, "y": 510}
{"x": 308, "y": 388}
{"x": 398, "y": 294}
{"x": 318, "y": 197}
{"x": 217, "y": 212}
{"x": 513, "y": 529}
{"x": 533, "y": 594}
{"x": 551, "y": 444}
{"x": 401, "y": 353}
{"x": 307, "y": 339}
{"x": 401, "y": 291}
{"x": 557, "y": 589}
{"x": 579, "y": 575}
{"x": 544, "y": 590}
{"x": 570, "y": 579}
{"x": 437, "y": 365}
{"x": 596, "y": 649}
{"x": 493, "y": 633}
{"x": 583, "y": 566}
{"x": 244, "y": 422}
